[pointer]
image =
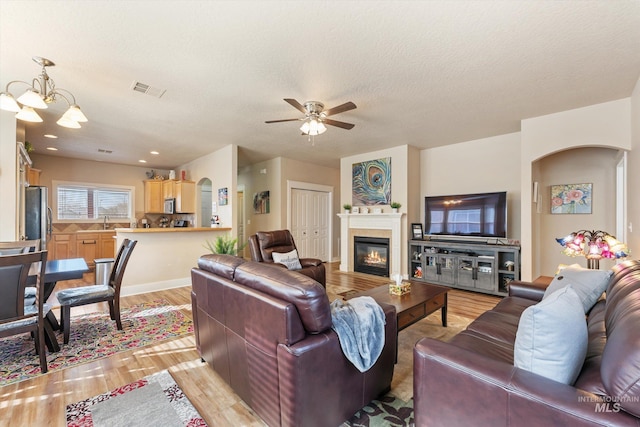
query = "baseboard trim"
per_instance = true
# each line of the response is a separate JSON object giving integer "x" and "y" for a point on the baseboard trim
{"x": 144, "y": 288}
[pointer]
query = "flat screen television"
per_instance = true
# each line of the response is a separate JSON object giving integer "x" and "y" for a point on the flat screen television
{"x": 476, "y": 215}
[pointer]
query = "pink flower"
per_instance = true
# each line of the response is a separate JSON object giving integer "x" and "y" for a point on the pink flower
{"x": 556, "y": 201}
{"x": 573, "y": 195}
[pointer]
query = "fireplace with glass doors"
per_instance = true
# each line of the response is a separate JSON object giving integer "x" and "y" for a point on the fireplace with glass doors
{"x": 371, "y": 255}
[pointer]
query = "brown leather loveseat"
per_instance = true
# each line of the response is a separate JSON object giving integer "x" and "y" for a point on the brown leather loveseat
{"x": 267, "y": 332}
{"x": 472, "y": 380}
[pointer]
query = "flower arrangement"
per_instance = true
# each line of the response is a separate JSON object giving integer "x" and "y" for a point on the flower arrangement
{"x": 395, "y": 205}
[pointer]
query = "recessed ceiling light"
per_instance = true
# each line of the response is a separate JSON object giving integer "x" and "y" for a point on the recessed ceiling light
{"x": 155, "y": 153}
{"x": 142, "y": 161}
{"x": 50, "y": 136}
{"x": 52, "y": 149}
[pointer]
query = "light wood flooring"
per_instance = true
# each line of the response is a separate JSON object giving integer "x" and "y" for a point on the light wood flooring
{"x": 42, "y": 400}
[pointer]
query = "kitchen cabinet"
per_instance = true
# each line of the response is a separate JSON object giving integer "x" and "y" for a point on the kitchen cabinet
{"x": 107, "y": 247}
{"x": 33, "y": 176}
{"x": 87, "y": 245}
{"x": 168, "y": 186}
{"x": 185, "y": 195}
{"x": 153, "y": 196}
{"x": 62, "y": 246}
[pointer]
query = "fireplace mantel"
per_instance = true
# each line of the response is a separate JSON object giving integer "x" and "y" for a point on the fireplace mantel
{"x": 372, "y": 224}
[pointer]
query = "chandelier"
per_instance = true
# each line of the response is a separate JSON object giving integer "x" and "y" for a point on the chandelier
{"x": 40, "y": 92}
{"x": 593, "y": 245}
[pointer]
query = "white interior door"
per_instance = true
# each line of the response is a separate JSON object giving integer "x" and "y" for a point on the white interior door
{"x": 310, "y": 223}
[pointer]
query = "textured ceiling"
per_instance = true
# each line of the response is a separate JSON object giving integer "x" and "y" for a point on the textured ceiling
{"x": 423, "y": 73}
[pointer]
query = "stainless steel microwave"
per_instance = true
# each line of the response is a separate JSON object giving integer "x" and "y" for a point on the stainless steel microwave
{"x": 169, "y": 206}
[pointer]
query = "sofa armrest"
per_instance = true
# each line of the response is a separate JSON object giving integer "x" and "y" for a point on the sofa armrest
{"x": 318, "y": 384}
{"x": 492, "y": 392}
{"x": 528, "y": 290}
{"x": 310, "y": 262}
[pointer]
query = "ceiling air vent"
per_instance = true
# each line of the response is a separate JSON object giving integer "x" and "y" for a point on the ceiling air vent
{"x": 148, "y": 90}
{"x": 102, "y": 150}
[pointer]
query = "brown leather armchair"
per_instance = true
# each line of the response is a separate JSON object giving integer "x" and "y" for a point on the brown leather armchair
{"x": 264, "y": 243}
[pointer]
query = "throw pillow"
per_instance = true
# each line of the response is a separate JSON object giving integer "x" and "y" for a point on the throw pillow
{"x": 588, "y": 284}
{"x": 289, "y": 259}
{"x": 552, "y": 337}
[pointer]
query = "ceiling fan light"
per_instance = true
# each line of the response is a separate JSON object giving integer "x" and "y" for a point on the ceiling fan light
{"x": 305, "y": 128}
{"x": 31, "y": 98}
{"x": 8, "y": 102}
{"x": 68, "y": 123}
{"x": 28, "y": 114}
{"x": 321, "y": 128}
{"x": 74, "y": 113}
{"x": 313, "y": 127}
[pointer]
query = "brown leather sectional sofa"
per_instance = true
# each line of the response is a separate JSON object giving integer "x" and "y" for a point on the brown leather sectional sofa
{"x": 267, "y": 332}
{"x": 472, "y": 381}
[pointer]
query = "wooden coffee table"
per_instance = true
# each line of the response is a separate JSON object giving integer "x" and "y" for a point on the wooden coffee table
{"x": 424, "y": 299}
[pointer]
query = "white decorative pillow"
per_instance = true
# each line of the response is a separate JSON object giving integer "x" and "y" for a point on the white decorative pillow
{"x": 552, "y": 337}
{"x": 289, "y": 259}
{"x": 588, "y": 284}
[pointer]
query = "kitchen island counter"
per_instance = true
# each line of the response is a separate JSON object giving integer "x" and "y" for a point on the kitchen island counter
{"x": 163, "y": 257}
{"x": 170, "y": 229}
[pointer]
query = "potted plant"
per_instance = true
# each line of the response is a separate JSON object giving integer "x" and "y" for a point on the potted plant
{"x": 224, "y": 245}
{"x": 347, "y": 208}
{"x": 395, "y": 206}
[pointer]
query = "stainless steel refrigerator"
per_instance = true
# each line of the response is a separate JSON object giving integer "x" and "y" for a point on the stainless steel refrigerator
{"x": 37, "y": 224}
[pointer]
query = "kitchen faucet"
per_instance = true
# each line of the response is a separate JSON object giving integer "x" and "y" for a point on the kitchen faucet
{"x": 104, "y": 223}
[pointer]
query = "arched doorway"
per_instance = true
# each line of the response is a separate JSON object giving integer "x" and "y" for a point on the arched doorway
{"x": 206, "y": 202}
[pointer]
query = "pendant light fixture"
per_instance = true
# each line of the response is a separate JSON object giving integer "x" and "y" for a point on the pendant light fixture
{"x": 40, "y": 92}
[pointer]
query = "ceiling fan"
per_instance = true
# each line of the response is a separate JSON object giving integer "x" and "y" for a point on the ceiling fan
{"x": 315, "y": 116}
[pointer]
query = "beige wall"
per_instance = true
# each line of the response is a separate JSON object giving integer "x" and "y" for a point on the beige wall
{"x": 67, "y": 169}
{"x": 633, "y": 177}
{"x": 579, "y": 165}
{"x": 404, "y": 185}
{"x": 479, "y": 166}
{"x": 8, "y": 177}
{"x": 601, "y": 125}
{"x": 221, "y": 168}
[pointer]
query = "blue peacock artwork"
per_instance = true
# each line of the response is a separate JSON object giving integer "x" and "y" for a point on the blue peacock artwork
{"x": 372, "y": 182}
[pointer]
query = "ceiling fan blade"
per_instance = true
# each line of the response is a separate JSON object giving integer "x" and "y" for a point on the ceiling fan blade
{"x": 295, "y": 104}
{"x": 340, "y": 108}
{"x": 285, "y": 120}
{"x": 342, "y": 125}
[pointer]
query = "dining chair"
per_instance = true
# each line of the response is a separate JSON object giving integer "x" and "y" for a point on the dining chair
{"x": 110, "y": 292}
{"x": 16, "y": 317}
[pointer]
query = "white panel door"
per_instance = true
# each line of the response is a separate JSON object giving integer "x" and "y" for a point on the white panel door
{"x": 310, "y": 223}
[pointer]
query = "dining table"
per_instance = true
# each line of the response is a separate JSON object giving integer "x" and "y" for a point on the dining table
{"x": 56, "y": 270}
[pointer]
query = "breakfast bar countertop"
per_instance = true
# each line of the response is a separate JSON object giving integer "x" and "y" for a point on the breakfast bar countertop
{"x": 170, "y": 229}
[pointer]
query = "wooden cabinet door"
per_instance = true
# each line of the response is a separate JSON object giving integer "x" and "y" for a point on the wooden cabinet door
{"x": 33, "y": 176}
{"x": 153, "y": 200}
{"x": 87, "y": 247}
{"x": 168, "y": 191}
{"x": 185, "y": 194}
{"x": 107, "y": 245}
{"x": 62, "y": 246}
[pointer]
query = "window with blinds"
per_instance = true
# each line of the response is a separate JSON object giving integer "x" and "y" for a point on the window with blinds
{"x": 92, "y": 201}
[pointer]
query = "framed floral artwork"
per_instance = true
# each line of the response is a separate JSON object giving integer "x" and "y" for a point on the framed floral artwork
{"x": 571, "y": 199}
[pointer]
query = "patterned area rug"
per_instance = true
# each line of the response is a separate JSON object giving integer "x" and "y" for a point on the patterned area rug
{"x": 386, "y": 412}
{"x": 155, "y": 400}
{"x": 94, "y": 336}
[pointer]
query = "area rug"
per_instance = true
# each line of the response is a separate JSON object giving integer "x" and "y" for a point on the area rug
{"x": 155, "y": 400}
{"x": 388, "y": 411}
{"x": 94, "y": 336}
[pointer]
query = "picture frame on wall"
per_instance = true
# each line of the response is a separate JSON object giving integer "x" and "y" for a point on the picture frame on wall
{"x": 571, "y": 198}
{"x": 416, "y": 231}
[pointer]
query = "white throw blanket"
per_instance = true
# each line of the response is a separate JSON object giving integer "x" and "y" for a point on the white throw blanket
{"x": 359, "y": 323}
